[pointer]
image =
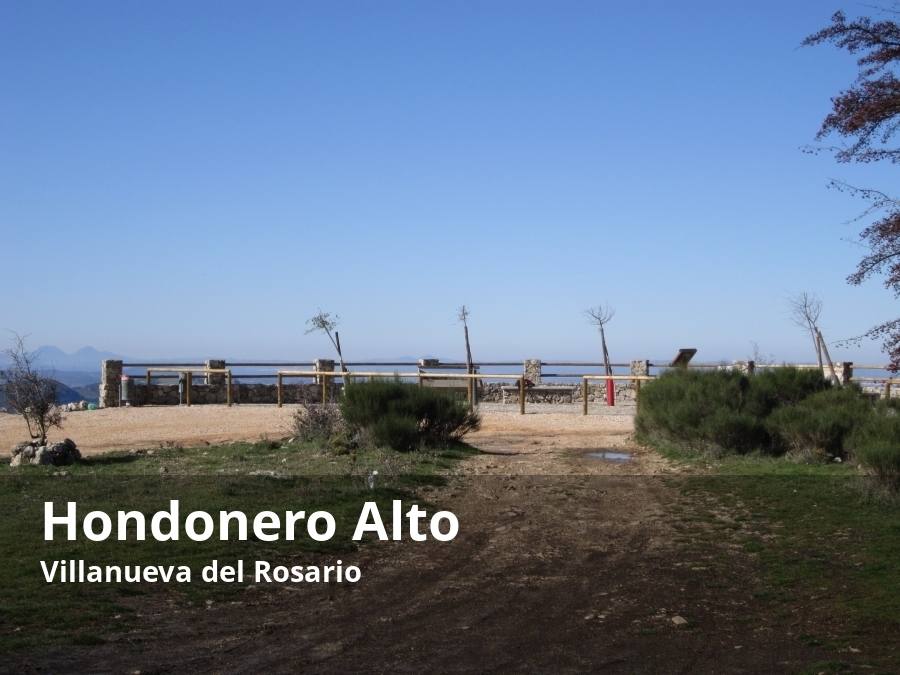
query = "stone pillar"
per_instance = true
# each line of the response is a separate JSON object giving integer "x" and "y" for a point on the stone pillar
{"x": 110, "y": 382}
{"x": 843, "y": 370}
{"x": 640, "y": 368}
{"x": 323, "y": 365}
{"x": 532, "y": 370}
{"x": 217, "y": 379}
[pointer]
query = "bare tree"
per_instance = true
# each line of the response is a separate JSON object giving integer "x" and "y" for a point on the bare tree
{"x": 463, "y": 316}
{"x": 324, "y": 322}
{"x": 600, "y": 316}
{"x": 832, "y": 375}
{"x": 464, "y": 320}
{"x": 29, "y": 393}
{"x": 805, "y": 312}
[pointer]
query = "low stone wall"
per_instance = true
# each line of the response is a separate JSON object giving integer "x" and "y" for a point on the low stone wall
{"x": 493, "y": 392}
{"x": 168, "y": 394}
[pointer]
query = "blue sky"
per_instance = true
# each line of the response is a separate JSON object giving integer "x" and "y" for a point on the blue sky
{"x": 197, "y": 178}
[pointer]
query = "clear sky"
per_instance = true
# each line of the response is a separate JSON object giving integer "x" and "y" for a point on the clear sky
{"x": 189, "y": 178}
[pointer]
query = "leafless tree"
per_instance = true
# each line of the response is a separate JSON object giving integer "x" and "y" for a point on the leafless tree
{"x": 29, "y": 393}
{"x": 600, "y": 316}
{"x": 805, "y": 312}
{"x": 832, "y": 375}
{"x": 464, "y": 320}
{"x": 463, "y": 316}
{"x": 326, "y": 323}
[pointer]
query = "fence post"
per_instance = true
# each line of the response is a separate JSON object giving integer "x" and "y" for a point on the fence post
{"x": 188, "y": 381}
{"x": 215, "y": 378}
{"x": 110, "y": 382}
{"x": 280, "y": 398}
{"x": 323, "y": 365}
{"x": 584, "y": 394}
{"x": 640, "y": 368}
{"x": 228, "y": 384}
{"x": 532, "y": 370}
{"x": 521, "y": 395}
{"x": 887, "y": 390}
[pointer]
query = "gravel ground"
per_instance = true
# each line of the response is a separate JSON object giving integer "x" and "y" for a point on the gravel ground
{"x": 123, "y": 428}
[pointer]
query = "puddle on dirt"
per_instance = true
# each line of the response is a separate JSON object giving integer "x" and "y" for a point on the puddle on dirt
{"x": 610, "y": 456}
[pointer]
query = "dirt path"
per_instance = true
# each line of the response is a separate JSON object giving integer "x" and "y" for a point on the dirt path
{"x": 563, "y": 564}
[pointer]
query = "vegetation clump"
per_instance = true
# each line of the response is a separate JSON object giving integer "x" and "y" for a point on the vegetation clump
{"x": 317, "y": 423}
{"x": 783, "y": 411}
{"x": 29, "y": 393}
{"x": 876, "y": 444}
{"x": 405, "y": 417}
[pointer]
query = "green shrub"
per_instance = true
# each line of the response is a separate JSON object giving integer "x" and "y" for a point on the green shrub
{"x": 818, "y": 425}
{"x": 773, "y": 388}
{"x": 725, "y": 411}
{"x": 876, "y": 444}
{"x": 398, "y": 432}
{"x": 676, "y": 405}
{"x": 734, "y": 431}
{"x": 405, "y": 416}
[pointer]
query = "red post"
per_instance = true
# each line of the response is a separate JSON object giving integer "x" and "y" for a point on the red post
{"x": 610, "y": 392}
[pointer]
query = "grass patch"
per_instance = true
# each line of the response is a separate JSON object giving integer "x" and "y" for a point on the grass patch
{"x": 822, "y": 543}
{"x": 249, "y": 477}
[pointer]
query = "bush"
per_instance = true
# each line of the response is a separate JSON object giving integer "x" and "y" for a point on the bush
{"x": 734, "y": 431}
{"x": 818, "y": 425}
{"x": 725, "y": 411}
{"x": 876, "y": 444}
{"x": 317, "y": 423}
{"x": 776, "y": 387}
{"x": 405, "y": 416}
{"x": 699, "y": 409}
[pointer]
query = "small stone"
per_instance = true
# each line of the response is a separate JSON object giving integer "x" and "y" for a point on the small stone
{"x": 679, "y": 620}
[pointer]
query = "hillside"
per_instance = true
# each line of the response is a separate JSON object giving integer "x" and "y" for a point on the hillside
{"x": 65, "y": 394}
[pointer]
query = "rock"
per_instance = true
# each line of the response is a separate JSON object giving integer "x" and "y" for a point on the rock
{"x": 23, "y": 453}
{"x": 679, "y": 620}
{"x": 57, "y": 454}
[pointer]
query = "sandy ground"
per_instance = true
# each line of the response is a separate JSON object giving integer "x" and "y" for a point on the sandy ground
{"x": 124, "y": 428}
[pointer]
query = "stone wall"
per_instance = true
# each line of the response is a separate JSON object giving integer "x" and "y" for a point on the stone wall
{"x": 494, "y": 392}
{"x": 110, "y": 381}
{"x": 168, "y": 394}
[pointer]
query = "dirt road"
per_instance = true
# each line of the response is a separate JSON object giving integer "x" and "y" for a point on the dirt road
{"x": 564, "y": 563}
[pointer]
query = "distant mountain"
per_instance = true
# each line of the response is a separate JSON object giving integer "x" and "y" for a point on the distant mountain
{"x": 85, "y": 359}
{"x": 49, "y": 357}
{"x": 76, "y": 378}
